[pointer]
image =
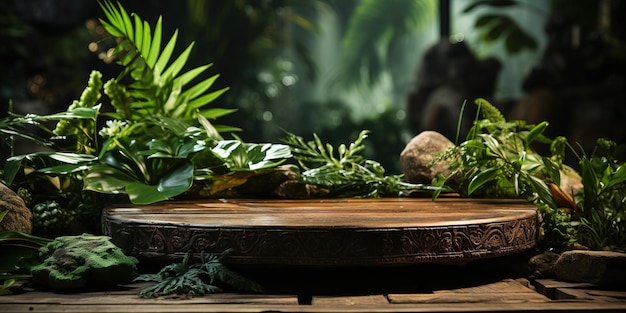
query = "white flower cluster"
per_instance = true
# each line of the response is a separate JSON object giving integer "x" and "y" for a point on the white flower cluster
{"x": 112, "y": 128}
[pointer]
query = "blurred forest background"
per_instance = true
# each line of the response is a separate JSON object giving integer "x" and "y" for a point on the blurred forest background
{"x": 335, "y": 67}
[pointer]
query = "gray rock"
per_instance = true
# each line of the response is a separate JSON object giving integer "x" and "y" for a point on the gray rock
{"x": 596, "y": 267}
{"x": 19, "y": 217}
{"x": 419, "y": 152}
{"x": 542, "y": 265}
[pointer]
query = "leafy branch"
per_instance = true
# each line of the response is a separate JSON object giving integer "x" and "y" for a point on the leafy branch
{"x": 497, "y": 159}
{"x": 343, "y": 172}
{"x": 195, "y": 279}
{"x": 600, "y": 214}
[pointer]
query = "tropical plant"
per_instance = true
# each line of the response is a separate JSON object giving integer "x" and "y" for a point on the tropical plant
{"x": 209, "y": 275}
{"x": 498, "y": 159}
{"x": 374, "y": 30}
{"x": 157, "y": 141}
{"x": 343, "y": 172}
{"x": 157, "y": 88}
{"x": 497, "y": 26}
{"x": 19, "y": 252}
{"x": 600, "y": 213}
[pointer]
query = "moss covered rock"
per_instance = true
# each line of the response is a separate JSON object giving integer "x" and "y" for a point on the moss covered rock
{"x": 85, "y": 261}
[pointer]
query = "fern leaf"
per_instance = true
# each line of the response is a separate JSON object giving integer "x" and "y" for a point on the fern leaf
{"x": 489, "y": 111}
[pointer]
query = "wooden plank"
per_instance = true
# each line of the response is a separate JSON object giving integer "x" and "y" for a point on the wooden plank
{"x": 101, "y": 299}
{"x": 505, "y": 291}
{"x": 590, "y": 295}
{"x": 129, "y": 295}
{"x": 467, "y": 298}
{"x": 340, "y": 301}
{"x": 569, "y": 307}
{"x": 503, "y": 286}
{"x": 548, "y": 287}
{"x": 332, "y": 305}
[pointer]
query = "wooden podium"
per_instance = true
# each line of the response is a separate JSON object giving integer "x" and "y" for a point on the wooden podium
{"x": 326, "y": 232}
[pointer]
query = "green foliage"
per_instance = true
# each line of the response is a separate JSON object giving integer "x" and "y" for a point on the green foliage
{"x": 50, "y": 217}
{"x": 158, "y": 87}
{"x": 556, "y": 229}
{"x": 83, "y": 131}
{"x": 343, "y": 172}
{"x": 143, "y": 171}
{"x": 496, "y": 26}
{"x": 601, "y": 206}
{"x": 497, "y": 159}
{"x": 373, "y": 25}
{"x": 19, "y": 253}
{"x": 156, "y": 143}
{"x": 241, "y": 157}
{"x": 195, "y": 279}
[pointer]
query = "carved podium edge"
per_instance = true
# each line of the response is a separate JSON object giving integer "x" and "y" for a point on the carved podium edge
{"x": 333, "y": 232}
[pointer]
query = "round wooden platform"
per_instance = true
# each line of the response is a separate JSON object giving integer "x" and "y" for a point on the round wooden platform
{"x": 334, "y": 232}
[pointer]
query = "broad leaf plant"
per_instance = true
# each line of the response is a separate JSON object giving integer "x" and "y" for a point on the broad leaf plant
{"x": 159, "y": 136}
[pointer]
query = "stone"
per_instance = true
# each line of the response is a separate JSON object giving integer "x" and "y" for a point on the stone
{"x": 19, "y": 218}
{"x": 542, "y": 265}
{"x": 596, "y": 267}
{"x": 571, "y": 182}
{"x": 85, "y": 261}
{"x": 419, "y": 152}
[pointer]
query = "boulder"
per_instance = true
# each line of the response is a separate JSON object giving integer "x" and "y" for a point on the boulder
{"x": 596, "y": 267}
{"x": 542, "y": 265}
{"x": 85, "y": 261}
{"x": 19, "y": 217}
{"x": 418, "y": 154}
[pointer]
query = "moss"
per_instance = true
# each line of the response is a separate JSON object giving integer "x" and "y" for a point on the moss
{"x": 85, "y": 261}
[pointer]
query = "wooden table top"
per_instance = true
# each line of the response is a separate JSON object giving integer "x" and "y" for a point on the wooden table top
{"x": 329, "y": 213}
{"x": 327, "y": 231}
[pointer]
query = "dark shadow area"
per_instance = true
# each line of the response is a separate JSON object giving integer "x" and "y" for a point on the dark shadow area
{"x": 365, "y": 280}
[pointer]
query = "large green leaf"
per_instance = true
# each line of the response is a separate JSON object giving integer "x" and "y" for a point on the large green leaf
{"x": 497, "y": 26}
{"x": 106, "y": 179}
{"x": 481, "y": 178}
{"x": 494, "y": 3}
{"x": 76, "y": 113}
{"x": 240, "y": 156}
{"x": 16, "y": 248}
{"x": 172, "y": 184}
{"x": 540, "y": 188}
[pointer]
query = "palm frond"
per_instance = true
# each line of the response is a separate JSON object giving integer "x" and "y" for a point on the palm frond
{"x": 159, "y": 85}
{"x": 378, "y": 24}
